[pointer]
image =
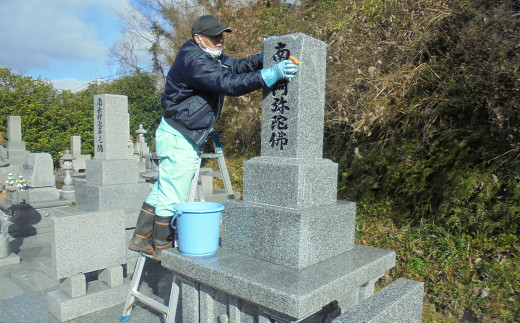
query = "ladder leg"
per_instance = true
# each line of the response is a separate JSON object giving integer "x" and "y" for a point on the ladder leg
{"x": 174, "y": 298}
{"x": 200, "y": 191}
{"x": 225, "y": 177}
{"x": 134, "y": 285}
{"x": 194, "y": 183}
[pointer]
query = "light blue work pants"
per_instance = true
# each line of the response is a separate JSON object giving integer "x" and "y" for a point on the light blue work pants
{"x": 178, "y": 164}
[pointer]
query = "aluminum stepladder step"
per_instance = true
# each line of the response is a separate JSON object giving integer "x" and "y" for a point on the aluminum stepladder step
{"x": 195, "y": 193}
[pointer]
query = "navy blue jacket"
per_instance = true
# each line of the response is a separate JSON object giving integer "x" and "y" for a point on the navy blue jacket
{"x": 195, "y": 86}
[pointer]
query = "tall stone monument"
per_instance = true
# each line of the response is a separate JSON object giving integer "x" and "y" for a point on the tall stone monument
{"x": 16, "y": 152}
{"x": 288, "y": 251}
{"x": 112, "y": 177}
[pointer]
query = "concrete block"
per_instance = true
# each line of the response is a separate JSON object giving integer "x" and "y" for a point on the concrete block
{"x": 294, "y": 183}
{"x": 99, "y": 297}
{"x": 296, "y": 238}
{"x": 401, "y": 301}
{"x": 112, "y": 276}
{"x": 74, "y": 286}
{"x": 86, "y": 242}
{"x": 207, "y": 181}
{"x": 112, "y": 171}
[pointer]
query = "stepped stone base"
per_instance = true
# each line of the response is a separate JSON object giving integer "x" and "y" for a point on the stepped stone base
{"x": 290, "y": 182}
{"x": 111, "y": 197}
{"x": 296, "y": 238}
{"x": 247, "y": 287}
{"x": 401, "y": 301}
{"x": 111, "y": 171}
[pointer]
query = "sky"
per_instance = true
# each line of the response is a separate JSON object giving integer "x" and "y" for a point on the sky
{"x": 64, "y": 41}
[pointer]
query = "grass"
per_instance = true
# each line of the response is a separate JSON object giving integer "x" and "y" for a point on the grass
{"x": 472, "y": 278}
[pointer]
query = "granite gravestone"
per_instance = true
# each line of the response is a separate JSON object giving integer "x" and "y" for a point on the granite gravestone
{"x": 290, "y": 214}
{"x": 107, "y": 204}
{"x": 112, "y": 177}
{"x": 38, "y": 174}
{"x": 75, "y": 149}
{"x": 288, "y": 249}
{"x": 16, "y": 152}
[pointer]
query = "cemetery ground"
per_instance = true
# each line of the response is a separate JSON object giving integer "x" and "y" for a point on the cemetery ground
{"x": 468, "y": 279}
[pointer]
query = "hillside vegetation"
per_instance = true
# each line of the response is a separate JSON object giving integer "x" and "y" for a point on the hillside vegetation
{"x": 422, "y": 117}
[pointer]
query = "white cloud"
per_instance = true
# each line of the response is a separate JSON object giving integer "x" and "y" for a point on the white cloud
{"x": 35, "y": 32}
{"x": 69, "y": 84}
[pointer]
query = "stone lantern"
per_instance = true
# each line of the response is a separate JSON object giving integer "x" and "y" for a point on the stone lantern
{"x": 67, "y": 190}
{"x": 141, "y": 132}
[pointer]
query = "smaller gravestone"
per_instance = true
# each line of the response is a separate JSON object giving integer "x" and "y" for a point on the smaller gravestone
{"x": 80, "y": 160}
{"x": 37, "y": 170}
{"x": 112, "y": 176}
{"x": 16, "y": 152}
{"x": 37, "y": 173}
{"x": 14, "y": 130}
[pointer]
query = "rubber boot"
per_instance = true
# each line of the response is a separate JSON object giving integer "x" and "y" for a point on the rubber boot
{"x": 163, "y": 235}
{"x": 142, "y": 239}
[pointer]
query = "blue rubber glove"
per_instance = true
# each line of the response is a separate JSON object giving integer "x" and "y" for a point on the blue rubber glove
{"x": 285, "y": 69}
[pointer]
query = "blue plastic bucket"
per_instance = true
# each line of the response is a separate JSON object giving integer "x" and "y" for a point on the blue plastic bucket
{"x": 198, "y": 227}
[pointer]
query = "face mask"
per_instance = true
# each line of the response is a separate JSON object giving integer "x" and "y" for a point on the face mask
{"x": 212, "y": 51}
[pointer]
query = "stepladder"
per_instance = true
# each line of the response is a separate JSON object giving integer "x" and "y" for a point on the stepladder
{"x": 196, "y": 190}
{"x": 196, "y": 193}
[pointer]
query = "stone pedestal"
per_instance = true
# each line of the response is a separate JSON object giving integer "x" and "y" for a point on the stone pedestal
{"x": 255, "y": 290}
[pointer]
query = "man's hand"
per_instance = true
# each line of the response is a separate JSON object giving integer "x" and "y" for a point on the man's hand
{"x": 285, "y": 69}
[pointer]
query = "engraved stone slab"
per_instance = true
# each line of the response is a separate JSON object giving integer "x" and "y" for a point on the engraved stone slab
{"x": 293, "y": 112}
{"x": 111, "y": 127}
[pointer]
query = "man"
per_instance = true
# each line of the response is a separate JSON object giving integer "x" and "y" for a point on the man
{"x": 192, "y": 101}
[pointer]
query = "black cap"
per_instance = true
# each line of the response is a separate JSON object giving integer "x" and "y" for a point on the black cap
{"x": 209, "y": 26}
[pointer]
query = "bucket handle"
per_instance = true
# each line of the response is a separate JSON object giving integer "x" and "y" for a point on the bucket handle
{"x": 177, "y": 213}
